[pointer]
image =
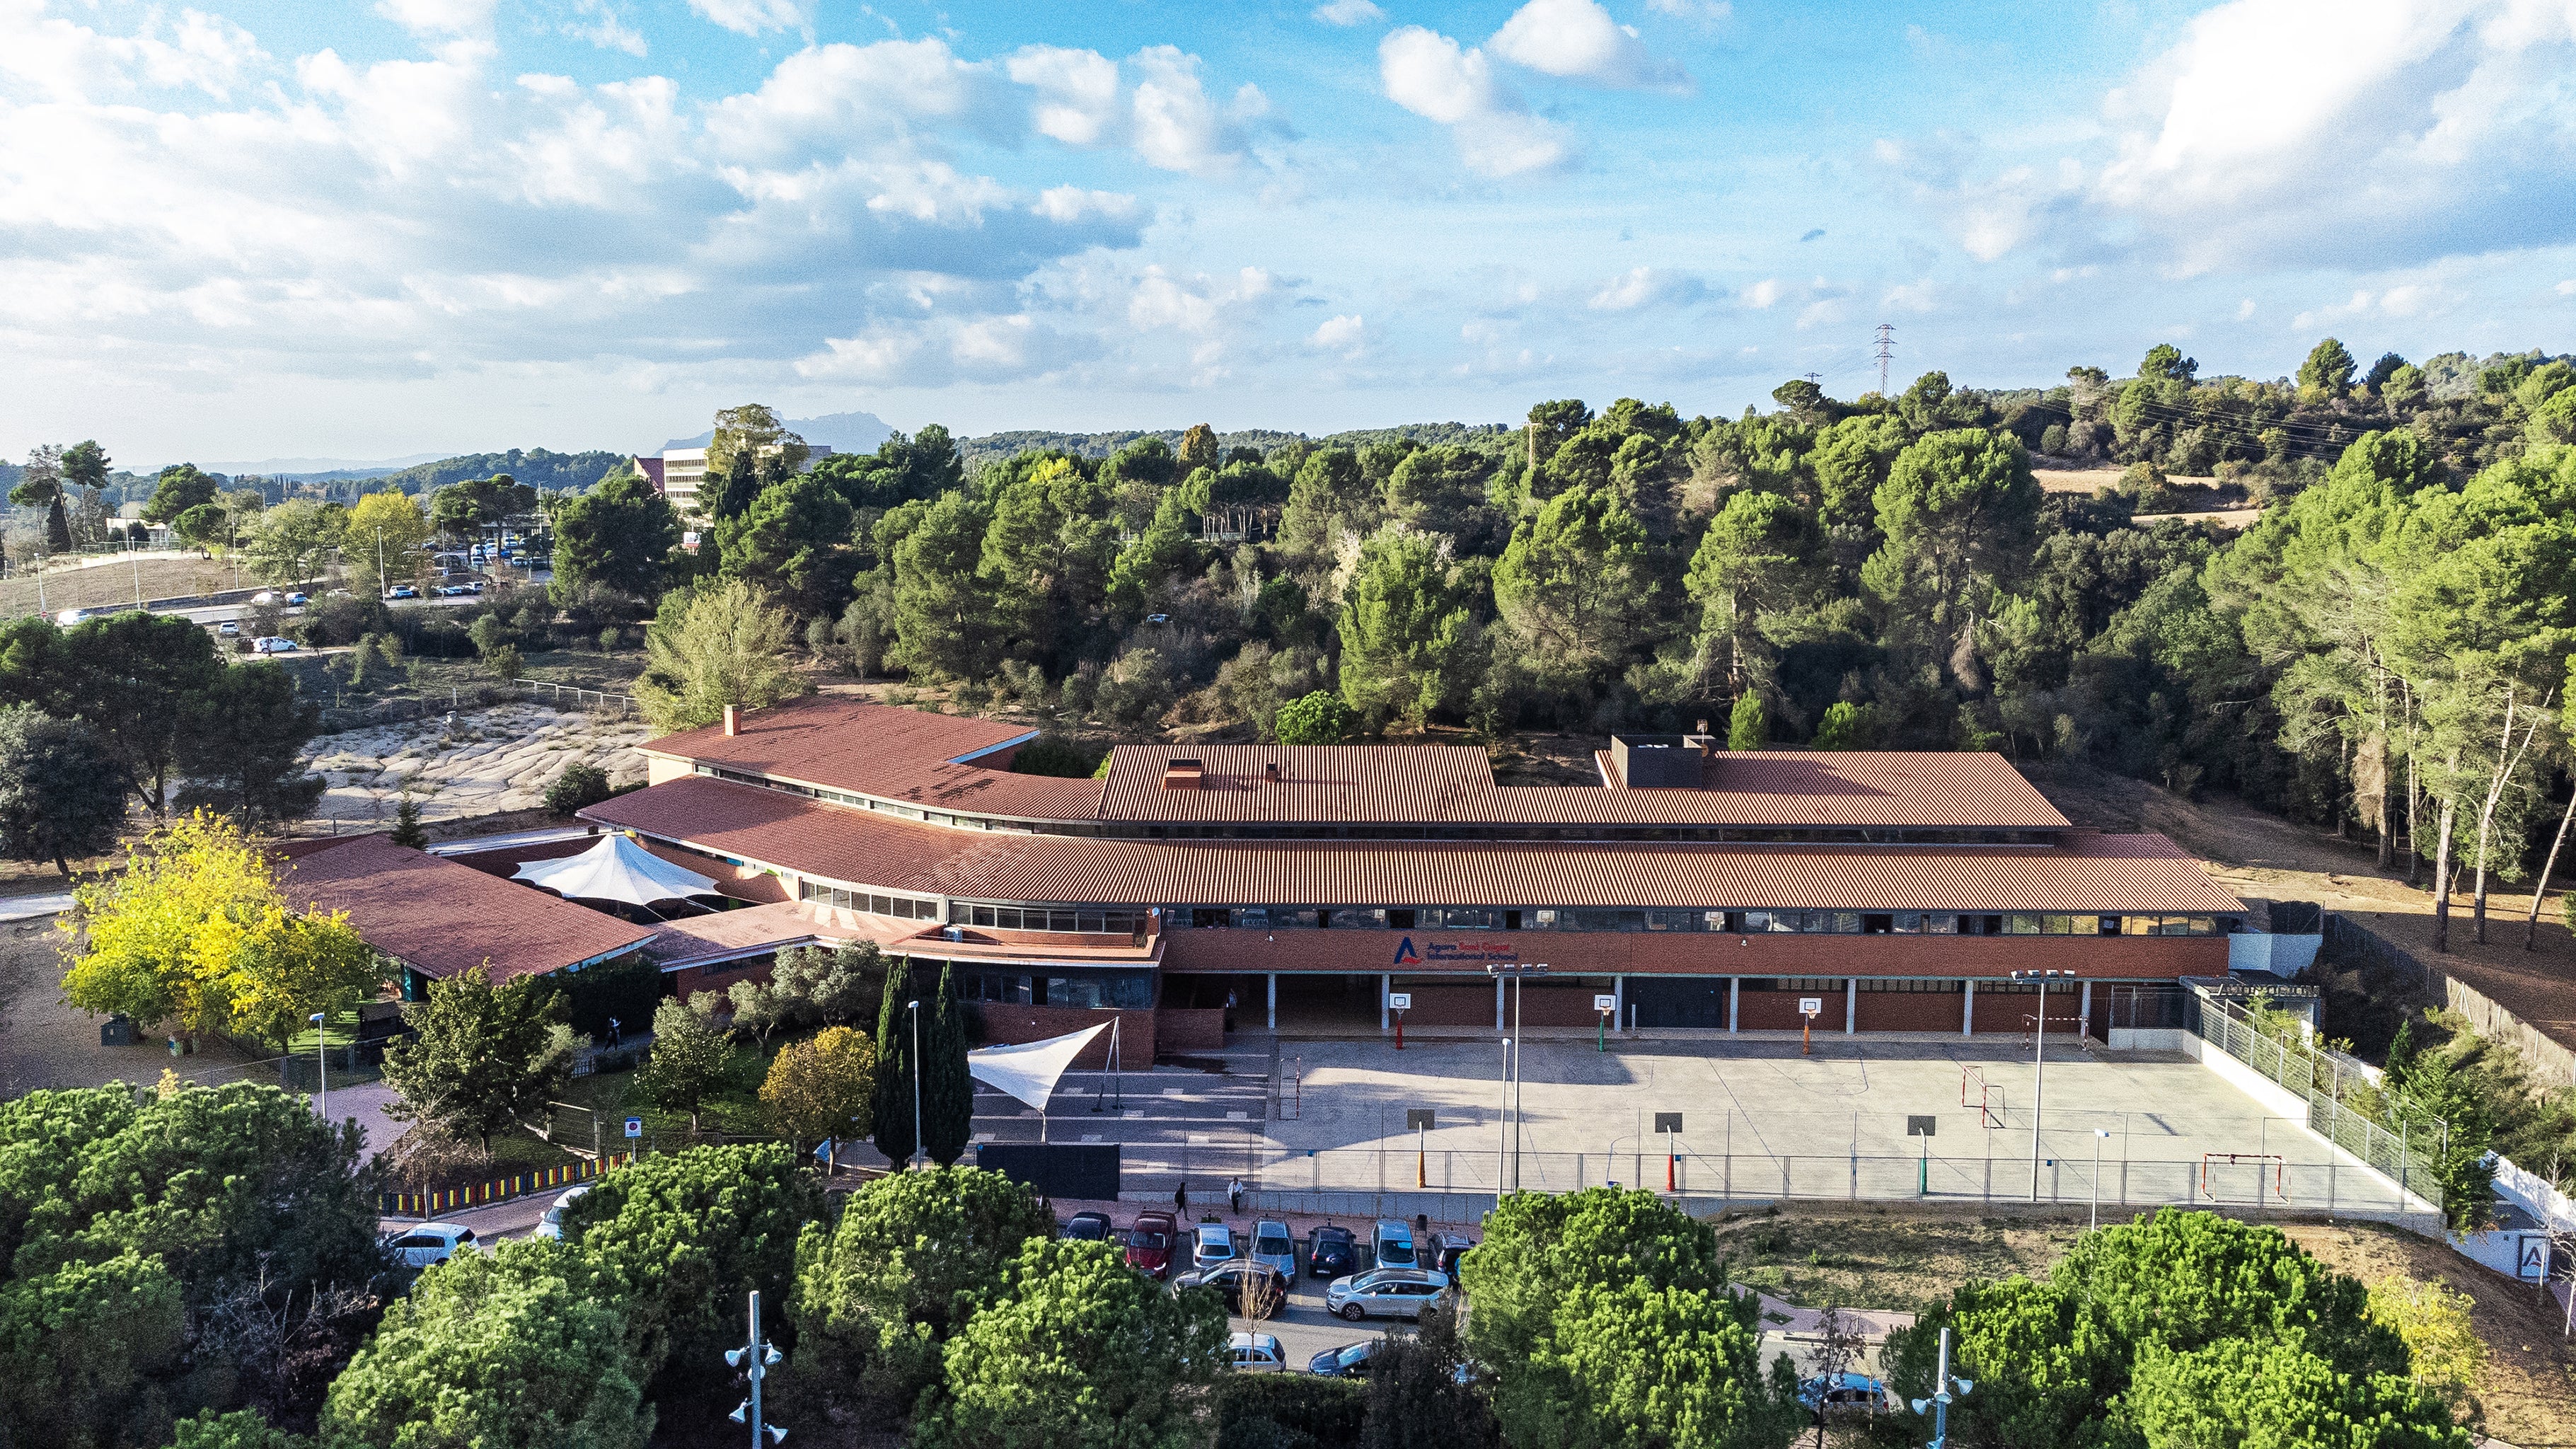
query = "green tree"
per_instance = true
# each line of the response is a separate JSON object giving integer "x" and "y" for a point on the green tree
{"x": 407, "y": 831}
{"x": 1756, "y": 562}
{"x": 580, "y": 786}
{"x": 2279, "y": 1396}
{"x": 1960, "y": 512}
{"x": 180, "y": 488}
{"x": 709, "y": 646}
{"x": 1160, "y": 557}
{"x": 1408, "y": 627}
{"x": 243, "y": 742}
{"x": 292, "y": 541}
{"x": 1080, "y": 1353}
{"x": 1316, "y": 718}
{"x": 87, "y": 1344}
{"x": 463, "y": 509}
{"x": 240, "y": 1429}
{"x": 687, "y": 1234}
{"x": 131, "y": 677}
{"x": 1047, "y": 555}
{"x": 618, "y": 535}
{"x": 1575, "y": 584}
{"x": 1849, "y": 726}
{"x": 689, "y": 1059}
{"x": 59, "y": 795}
{"x": 1748, "y": 724}
{"x": 792, "y": 542}
{"x": 481, "y": 1057}
{"x": 1416, "y": 1396}
{"x": 1329, "y": 494}
{"x": 947, "y": 1086}
{"x": 915, "y": 1255}
{"x": 205, "y": 526}
{"x": 2328, "y": 371}
{"x": 821, "y": 1089}
{"x": 943, "y": 609}
{"x": 513, "y": 1346}
{"x": 1850, "y": 460}
{"x": 1443, "y": 490}
{"x": 751, "y": 450}
{"x": 2164, "y": 362}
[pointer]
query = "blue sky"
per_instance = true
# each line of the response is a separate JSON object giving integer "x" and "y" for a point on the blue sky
{"x": 424, "y": 225}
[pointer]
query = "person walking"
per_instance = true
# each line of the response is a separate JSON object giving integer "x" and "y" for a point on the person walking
{"x": 1181, "y": 1198}
{"x": 616, "y": 1036}
{"x": 1234, "y": 1195}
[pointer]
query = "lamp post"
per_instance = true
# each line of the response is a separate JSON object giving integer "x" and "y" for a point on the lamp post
{"x": 1939, "y": 1403}
{"x": 2039, "y": 1063}
{"x": 756, "y": 1358}
{"x": 2100, "y": 1135}
{"x": 1512, "y": 1074}
{"x": 914, "y": 1006}
{"x": 322, "y": 1066}
{"x": 1503, "y": 1128}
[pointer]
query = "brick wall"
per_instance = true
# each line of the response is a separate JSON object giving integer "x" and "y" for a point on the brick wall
{"x": 1190, "y": 1029}
{"x": 719, "y": 978}
{"x": 1444, "y": 1005}
{"x": 1004, "y": 1024}
{"x": 1904, "y": 1011}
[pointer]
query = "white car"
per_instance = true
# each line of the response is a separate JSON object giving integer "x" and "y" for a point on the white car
{"x": 550, "y": 1224}
{"x": 228, "y": 629}
{"x": 434, "y": 1243}
{"x": 66, "y": 618}
{"x": 1211, "y": 1244}
{"x": 1274, "y": 1248}
{"x": 264, "y": 596}
{"x": 273, "y": 644}
{"x": 1256, "y": 1353}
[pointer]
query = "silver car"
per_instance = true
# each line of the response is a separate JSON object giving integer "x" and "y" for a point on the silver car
{"x": 1255, "y": 1353}
{"x": 550, "y": 1222}
{"x": 434, "y": 1243}
{"x": 1385, "y": 1293}
{"x": 1273, "y": 1247}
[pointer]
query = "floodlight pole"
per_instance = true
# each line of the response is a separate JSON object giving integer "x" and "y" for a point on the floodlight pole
{"x": 2039, "y": 1065}
{"x": 914, "y": 1006}
{"x": 1503, "y": 1123}
{"x": 756, "y": 1358}
{"x": 1511, "y": 1067}
{"x": 2099, "y": 1134}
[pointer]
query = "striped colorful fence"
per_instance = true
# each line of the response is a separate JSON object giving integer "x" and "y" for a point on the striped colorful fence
{"x": 499, "y": 1189}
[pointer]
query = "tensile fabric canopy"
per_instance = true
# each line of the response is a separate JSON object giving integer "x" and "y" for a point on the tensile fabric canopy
{"x": 616, "y": 869}
{"x": 1030, "y": 1070}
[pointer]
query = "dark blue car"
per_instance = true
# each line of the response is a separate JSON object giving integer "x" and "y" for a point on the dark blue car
{"x": 1331, "y": 1252}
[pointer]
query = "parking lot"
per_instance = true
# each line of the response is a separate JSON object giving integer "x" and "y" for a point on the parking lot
{"x": 1327, "y": 1129}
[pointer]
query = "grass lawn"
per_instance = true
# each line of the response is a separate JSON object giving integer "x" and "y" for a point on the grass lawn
{"x": 733, "y": 1109}
{"x": 1878, "y": 1258}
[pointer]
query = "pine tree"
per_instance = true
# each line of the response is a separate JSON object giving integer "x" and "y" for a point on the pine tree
{"x": 1748, "y": 727}
{"x": 892, "y": 1107}
{"x": 407, "y": 830}
{"x": 947, "y": 1086}
{"x": 2401, "y": 1055}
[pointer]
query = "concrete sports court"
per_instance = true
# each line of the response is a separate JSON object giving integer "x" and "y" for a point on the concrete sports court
{"x": 1326, "y": 1130}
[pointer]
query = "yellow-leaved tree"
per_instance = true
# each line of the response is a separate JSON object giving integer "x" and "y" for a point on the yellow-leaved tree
{"x": 821, "y": 1088}
{"x": 195, "y": 932}
{"x": 381, "y": 545}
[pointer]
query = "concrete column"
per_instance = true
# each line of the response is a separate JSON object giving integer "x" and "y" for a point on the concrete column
{"x": 1851, "y": 1005}
{"x": 1273, "y": 983}
{"x": 2084, "y": 1009}
{"x": 1968, "y": 1008}
{"x": 1498, "y": 1003}
{"x": 1385, "y": 984}
{"x": 1734, "y": 986}
{"x": 1618, "y": 999}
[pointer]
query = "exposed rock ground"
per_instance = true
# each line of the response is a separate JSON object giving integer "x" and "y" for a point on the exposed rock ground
{"x": 486, "y": 761}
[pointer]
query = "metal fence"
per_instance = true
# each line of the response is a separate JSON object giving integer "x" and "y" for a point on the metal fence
{"x": 2325, "y": 1080}
{"x": 596, "y": 700}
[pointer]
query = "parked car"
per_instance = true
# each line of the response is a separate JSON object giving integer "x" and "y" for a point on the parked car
{"x": 1273, "y": 1247}
{"x": 228, "y": 629}
{"x": 1350, "y": 1361}
{"x": 1252, "y": 1290}
{"x": 550, "y": 1222}
{"x": 1211, "y": 1244}
{"x": 402, "y": 591}
{"x": 1385, "y": 1293}
{"x": 1149, "y": 1243}
{"x": 264, "y": 596}
{"x": 434, "y": 1243}
{"x": 298, "y": 601}
{"x": 1393, "y": 1243}
{"x": 273, "y": 644}
{"x": 456, "y": 591}
{"x": 1441, "y": 1253}
{"x": 1846, "y": 1391}
{"x": 65, "y": 618}
{"x": 1085, "y": 1227}
{"x": 1255, "y": 1353}
{"x": 1331, "y": 1251}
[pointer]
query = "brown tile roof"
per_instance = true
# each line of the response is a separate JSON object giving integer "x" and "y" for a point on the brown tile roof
{"x": 1683, "y": 953}
{"x": 2110, "y": 873}
{"x": 894, "y": 754}
{"x": 440, "y": 917}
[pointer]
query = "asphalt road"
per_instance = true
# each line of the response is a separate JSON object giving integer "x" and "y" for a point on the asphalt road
{"x": 1171, "y": 1119}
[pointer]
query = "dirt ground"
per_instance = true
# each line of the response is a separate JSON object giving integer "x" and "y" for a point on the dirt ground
{"x": 1814, "y": 1255}
{"x": 115, "y": 583}
{"x": 46, "y": 1043}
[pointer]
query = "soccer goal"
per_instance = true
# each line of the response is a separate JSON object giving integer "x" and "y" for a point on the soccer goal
{"x": 1987, "y": 1097}
{"x": 2280, "y": 1172}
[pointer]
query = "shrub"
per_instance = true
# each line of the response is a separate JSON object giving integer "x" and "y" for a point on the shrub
{"x": 580, "y": 786}
{"x": 1057, "y": 755}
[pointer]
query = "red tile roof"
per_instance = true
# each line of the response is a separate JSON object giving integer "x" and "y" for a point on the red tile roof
{"x": 440, "y": 917}
{"x": 893, "y": 754}
{"x": 2108, "y": 873}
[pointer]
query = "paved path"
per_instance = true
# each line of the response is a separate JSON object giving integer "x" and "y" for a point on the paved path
{"x": 28, "y": 908}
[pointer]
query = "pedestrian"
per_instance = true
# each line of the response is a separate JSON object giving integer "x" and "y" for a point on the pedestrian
{"x": 1181, "y": 1198}
{"x": 616, "y": 1036}
{"x": 1234, "y": 1195}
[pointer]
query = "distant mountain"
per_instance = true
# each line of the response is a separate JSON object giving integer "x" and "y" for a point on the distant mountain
{"x": 537, "y": 467}
{"x": 840, "y": 432}
{"x": 319, "y": 467}
{"x": 978, "y": 451}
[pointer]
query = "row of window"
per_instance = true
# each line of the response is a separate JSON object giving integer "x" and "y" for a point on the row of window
{"x": 1115, "y": 920}
{"x": 1134, "y": 990}
{"x": 884, "y": 905}
{"x": 1589, "y": 918}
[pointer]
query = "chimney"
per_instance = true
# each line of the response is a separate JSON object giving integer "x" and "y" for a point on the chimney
{"x": 1271, "y": 771}
{"x": 733, "y": 719}
{"x": 1183, "y": 774}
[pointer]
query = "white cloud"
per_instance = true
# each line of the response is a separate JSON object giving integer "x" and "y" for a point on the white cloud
{"x": 1763, "y": 293}
{"x": 600, "y": 25}
{"x": 1072, "y": 203}
{"x": 1646, "y": 286}
{"x": 1430, "y": 75}
{"x": 1348, "y": 12}
{"x": 1577, "y": 40}
{"x": 1077, "y": 90}
{"x": 2402, "y": 300}
{"x": 1178, "y": 128}
{"x": 1707, "y": 12}
{"x": 2245, "y": 309}
{"x": 1345, "y": 334}
{"x": 2567, "y": 288}
{"x": 434, "y": 18}
{"x": 752, "y": 17}
{"x": 1920, "y": 296}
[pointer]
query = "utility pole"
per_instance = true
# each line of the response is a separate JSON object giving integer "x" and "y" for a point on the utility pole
{"x": 1939, "y": 1403}
{"x": 1512, "y": 1074}
{"x": 914, "y": 1006}
{"x": 2039, "y": 1063}
{"x": 1886, "y": 349}
{"x": 756, "y": 1358}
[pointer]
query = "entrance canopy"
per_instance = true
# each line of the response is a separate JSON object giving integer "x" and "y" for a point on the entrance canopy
{"x": 1030, "y": 1070}
{"x": 616, "y": 869}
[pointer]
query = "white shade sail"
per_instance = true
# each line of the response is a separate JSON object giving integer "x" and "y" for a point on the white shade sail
{"x": 616, "y": 869}
{"x": 1030, "y": 1070}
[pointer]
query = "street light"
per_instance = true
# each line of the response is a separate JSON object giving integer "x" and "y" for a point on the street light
{"x": 2100, "y": 1135}
{"x": 1511, "y": 1061}
{"x": 1503, "y": 1128}
{"x": 760, "y": 1357}
{"x": 2039, "y": 1063}
{"x": 322, "y": 1065}
{"x": 1939, "y": 1403}
{"x": 914, "y": 1006}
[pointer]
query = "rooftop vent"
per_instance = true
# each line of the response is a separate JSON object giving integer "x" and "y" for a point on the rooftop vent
{"x": 733, "y": 719}
{"x": 1184, "y": 774}
{"x": 1649, "y": 762}
{"x": 1271, "y": 772}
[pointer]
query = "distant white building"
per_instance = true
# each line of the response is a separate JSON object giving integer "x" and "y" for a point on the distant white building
{"x": 683, "y": 471}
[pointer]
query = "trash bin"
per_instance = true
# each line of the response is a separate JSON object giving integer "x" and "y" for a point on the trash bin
{"x": 116, "y": 1031}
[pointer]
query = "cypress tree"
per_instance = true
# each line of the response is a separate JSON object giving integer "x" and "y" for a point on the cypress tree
{"x": 947, "y": 1089}
{"x": 2401, "y": 1055}
{"x": 893, "y": 1102}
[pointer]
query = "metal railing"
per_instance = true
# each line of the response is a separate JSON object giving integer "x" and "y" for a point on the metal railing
{"x": 624, "y": 704}
{"x": 2409, "y": 1152}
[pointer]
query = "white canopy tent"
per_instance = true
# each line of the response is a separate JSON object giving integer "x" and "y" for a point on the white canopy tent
{"x": 1029, "y": 1071}
{"x": 616, "y": 869}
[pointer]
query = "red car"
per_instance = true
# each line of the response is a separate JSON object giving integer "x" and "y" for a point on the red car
{"x": 1149, "y": 1244}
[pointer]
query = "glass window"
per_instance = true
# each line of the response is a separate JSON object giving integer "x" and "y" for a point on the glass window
{"x": 2021, "y": 923}
{"x": 1906, "y": 923}
{"x": 2088, "y": 925}
{"x": 1876, "y": 925}
{"x": 1940, "y": 923}
{"x": 1133, "y": 992}
{"x": 1543, "y": 919}
{"x": 1073, "y": 991}
{"x": 2057, "y": 924}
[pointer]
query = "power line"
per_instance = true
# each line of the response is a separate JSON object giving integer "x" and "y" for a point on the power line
{"x": 1886, "y": 348}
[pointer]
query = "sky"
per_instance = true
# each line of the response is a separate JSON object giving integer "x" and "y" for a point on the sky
{"x": 370, "y": 228}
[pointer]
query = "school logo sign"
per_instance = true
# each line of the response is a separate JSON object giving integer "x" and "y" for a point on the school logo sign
{"x": 1405, "y": 954}
{"x": 1469, "y": 952}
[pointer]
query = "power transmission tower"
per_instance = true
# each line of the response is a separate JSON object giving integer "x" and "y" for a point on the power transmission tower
{"x": 1886, "y": 350}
